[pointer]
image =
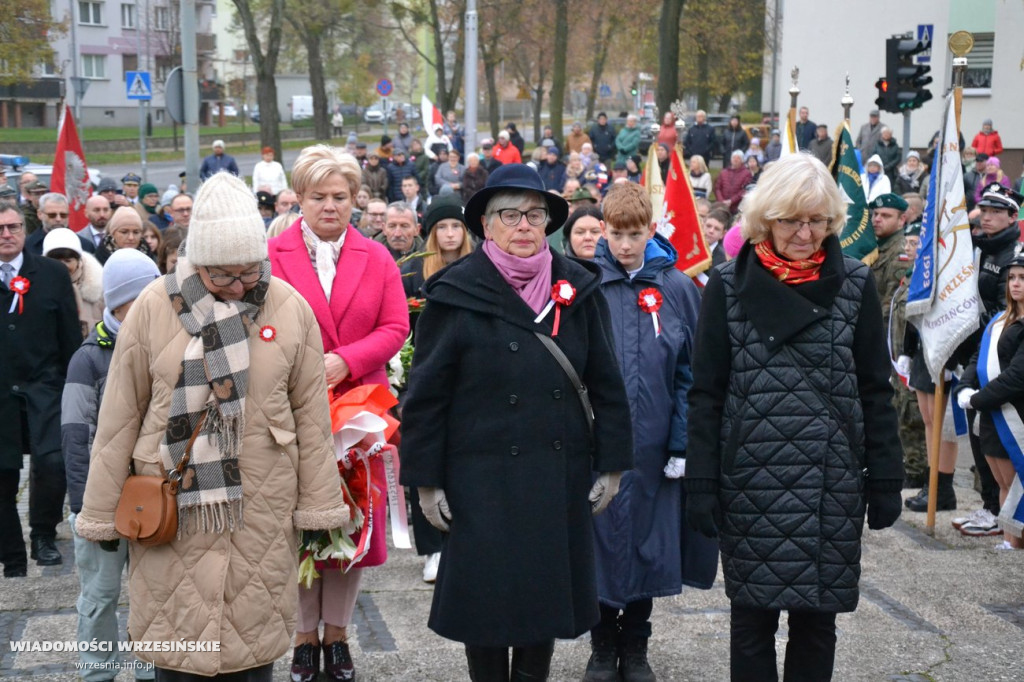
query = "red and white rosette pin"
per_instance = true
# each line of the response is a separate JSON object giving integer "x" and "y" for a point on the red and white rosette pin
{"x": 20, "y": 286}
{"x": 268, "y": 333}
{"x": 562, "y": 294}
{"x": 650, "y": 302}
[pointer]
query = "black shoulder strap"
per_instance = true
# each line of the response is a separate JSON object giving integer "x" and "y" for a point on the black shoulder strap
{"x": 581, "y": 389}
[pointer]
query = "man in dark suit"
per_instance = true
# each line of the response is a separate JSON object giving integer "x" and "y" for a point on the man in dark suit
{"x": 53, "y": 213}
{"x": 39, "y": 334}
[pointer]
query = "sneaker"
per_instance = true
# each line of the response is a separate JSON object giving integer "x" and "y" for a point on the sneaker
{"x": 1004, "y": 545}
{"x": 430, "y": 567}
{"x": 982, "y": 523}
{"x": 960, "y": 521}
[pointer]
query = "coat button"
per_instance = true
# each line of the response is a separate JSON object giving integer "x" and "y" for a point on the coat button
{"x": 771, "y": 338}
{"x": 10, "y": 327}
{"x": 814, "y": 310}
{"x": 513, "y": 399}
{"x": 514, "y": 450}
{"x": 15, "y": 388}
{"x": 556, "y": 394}
{"x": 514, "y": 346}
{"x": 557, "y": 445}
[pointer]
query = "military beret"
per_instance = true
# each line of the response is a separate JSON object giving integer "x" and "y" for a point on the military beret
{"x": 913, "y": 229}
{"x": 264, "y": 198}
{"x": 996, "y": 195}
{"x": 7, "y": 192}
{"x": 890, "y": 201}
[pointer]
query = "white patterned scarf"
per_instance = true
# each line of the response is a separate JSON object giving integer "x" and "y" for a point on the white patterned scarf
{"x": 324, "y": 255}
{"x": 213, "y": 381}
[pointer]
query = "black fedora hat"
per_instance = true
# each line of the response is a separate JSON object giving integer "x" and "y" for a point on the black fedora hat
{"x": 514, "y": 176}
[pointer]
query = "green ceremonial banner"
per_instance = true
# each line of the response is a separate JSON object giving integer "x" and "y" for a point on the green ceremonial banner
{"x": 858, "y": 237}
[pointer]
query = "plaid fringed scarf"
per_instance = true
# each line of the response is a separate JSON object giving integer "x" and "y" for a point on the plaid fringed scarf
{"x": 214, "y": 378}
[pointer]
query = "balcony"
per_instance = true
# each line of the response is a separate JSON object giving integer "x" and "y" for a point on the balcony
{"x": 206, "y": 42}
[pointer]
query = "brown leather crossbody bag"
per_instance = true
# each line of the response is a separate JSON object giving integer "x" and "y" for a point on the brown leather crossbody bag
{"x": 147, "y": 512}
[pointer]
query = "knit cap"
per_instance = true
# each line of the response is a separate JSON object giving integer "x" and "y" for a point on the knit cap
{"x": 125, "y": 274}
{"x": 226, "y": 227}
{"x": 61, "y": 238}
{"x": 442, "y": 208}
{"x": 122, "y": 216}
{"x": 147, "y": 189}
{"x": 732, "y": 242}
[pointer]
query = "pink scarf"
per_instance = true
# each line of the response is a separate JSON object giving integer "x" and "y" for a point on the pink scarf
{"x": 529, "y": 277}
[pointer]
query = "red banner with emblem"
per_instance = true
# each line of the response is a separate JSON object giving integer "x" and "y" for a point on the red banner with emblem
{"x": 70, "y": 174}
{"x": 679, "y": 222}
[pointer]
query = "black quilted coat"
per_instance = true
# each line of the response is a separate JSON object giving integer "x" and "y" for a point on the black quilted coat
{"x": 790, "y": 421}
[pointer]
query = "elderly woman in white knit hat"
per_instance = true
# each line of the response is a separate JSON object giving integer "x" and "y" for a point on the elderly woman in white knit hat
{"x": 261, "y": 464}
{"x": 86, "y": 273}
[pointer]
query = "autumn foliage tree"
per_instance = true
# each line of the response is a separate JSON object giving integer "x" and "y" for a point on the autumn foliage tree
{"x": 26, "y": 29}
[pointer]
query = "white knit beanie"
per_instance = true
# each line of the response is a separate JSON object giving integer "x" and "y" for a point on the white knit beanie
{"x": 226, "y": 227}
{"x": 61, "y": 238}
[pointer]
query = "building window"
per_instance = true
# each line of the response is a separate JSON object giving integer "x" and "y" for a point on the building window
{"x": 129, "y": 62}
{"x": 127, "y": 16}
{"x": 94, "y": 66}
{"x": 90, "y": 13}
{"x": 161, "y": 19}
{"x": 48, "y": 69}
{"x": 978, "y": 79}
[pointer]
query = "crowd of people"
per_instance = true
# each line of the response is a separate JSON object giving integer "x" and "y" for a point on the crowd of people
{"x": 569, "y": 390}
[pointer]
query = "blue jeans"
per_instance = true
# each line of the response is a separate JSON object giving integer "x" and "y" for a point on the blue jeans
{"x": 99, "y": 576}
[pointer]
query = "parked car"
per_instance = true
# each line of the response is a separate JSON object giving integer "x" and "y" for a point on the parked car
{"x": 230, "y": 110}
{"x": 16, "y": 165}
{"x": 374, "y": 114}
{"x": 254, "y": 115}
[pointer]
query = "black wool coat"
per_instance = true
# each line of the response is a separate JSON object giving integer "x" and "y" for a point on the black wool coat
{"x": 791, "y": 423}
{"x": 492, "y": 419}
{"x": 37, "y": 346}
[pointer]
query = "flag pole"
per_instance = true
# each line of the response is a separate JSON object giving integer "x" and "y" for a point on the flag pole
{"x": 959, "y": 69}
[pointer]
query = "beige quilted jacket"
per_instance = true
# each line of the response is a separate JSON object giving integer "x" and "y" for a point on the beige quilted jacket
{"x": 238, "y": 588}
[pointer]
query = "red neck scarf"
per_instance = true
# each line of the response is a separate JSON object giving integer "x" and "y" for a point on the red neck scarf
{"x": 789, "y": 271}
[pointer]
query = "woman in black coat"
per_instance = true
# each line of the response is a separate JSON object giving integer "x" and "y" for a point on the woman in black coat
{"x": 497, "y": 440}
{"x": 791, "y": 427}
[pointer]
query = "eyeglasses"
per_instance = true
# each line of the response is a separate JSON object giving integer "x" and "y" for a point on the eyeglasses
{"x": 512, "y": 216}
{"x": 792, "y": 225}
{"x": 12, "y": 228}
{"x": 56, "y": 214}
{"x": 221, "y": 280}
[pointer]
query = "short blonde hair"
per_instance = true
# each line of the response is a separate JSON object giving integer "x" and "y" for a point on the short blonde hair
{"x": 702, "y": 165}
{"x": 320, "y": 161}
{"x": 795, "y": 185}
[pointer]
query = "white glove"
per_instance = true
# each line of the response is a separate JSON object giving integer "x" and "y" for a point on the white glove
{"x": 435, "y": 507}
{"x": 605, "y": 488}
{"x": 963, "y": 398}
{"x": 676, "y": 467}
{"x": 903, "y": 365}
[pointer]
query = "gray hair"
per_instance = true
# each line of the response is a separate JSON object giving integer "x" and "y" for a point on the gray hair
{"x": 403, "y": 207}
{"x": 735, "y": 153}
{"x": 512, "y": 199}
{"x": 6, "y": 206}
{"x": 52, "y": 198}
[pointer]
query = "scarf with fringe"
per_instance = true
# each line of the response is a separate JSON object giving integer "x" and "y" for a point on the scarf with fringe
{"x": 214, "y": 379}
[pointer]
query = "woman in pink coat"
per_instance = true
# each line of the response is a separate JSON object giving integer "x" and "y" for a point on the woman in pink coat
{"x": 355, "y": 290}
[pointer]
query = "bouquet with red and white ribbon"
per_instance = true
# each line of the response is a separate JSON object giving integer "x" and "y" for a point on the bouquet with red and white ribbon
{"x": 369, "y": 468}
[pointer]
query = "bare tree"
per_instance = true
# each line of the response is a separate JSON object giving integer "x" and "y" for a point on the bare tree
{"x": 265, "y": 63}
{"x": 446, "y": 21}
{"x": 561, "y": 47}
{"x": 668, "y": 53}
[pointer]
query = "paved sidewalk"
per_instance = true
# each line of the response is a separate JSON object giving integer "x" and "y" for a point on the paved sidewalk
{"x": 947, "y": 608}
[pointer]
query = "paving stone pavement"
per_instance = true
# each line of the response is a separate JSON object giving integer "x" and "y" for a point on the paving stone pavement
{"x": 947, "y": 609}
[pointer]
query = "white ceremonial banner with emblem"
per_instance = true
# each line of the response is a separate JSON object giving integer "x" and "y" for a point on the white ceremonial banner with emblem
{"x": 956, "y": 309}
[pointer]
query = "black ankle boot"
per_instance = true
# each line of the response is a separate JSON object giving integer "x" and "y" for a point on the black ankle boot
{"x": 946, "y": 500}
{"x": 487, "y": 663}
{"x": 633, "y": 665}
{"x": 603, "y": 665}
{"x": 532, "y": 663}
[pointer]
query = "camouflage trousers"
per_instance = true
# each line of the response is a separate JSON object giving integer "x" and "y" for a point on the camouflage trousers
{"x": 915, "y": 450}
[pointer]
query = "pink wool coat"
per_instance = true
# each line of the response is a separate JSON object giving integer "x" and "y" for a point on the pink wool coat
{"x": 366, "y": 321}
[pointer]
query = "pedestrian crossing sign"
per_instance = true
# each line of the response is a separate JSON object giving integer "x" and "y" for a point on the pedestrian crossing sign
{"x": 138, "y": 85}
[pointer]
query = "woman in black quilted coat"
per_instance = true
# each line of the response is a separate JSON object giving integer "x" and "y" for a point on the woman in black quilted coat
{"x": 792, "y": 434}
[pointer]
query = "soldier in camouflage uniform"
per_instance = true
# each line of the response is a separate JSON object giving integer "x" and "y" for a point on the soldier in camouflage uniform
{"x": 908, "y": 411}
{"x": 888, "y": 219}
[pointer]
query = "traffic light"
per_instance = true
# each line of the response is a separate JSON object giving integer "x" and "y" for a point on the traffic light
{"x": 633, "y": 89}
{"x": 905, "y": 80}
{"x": 882, "y": 101}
